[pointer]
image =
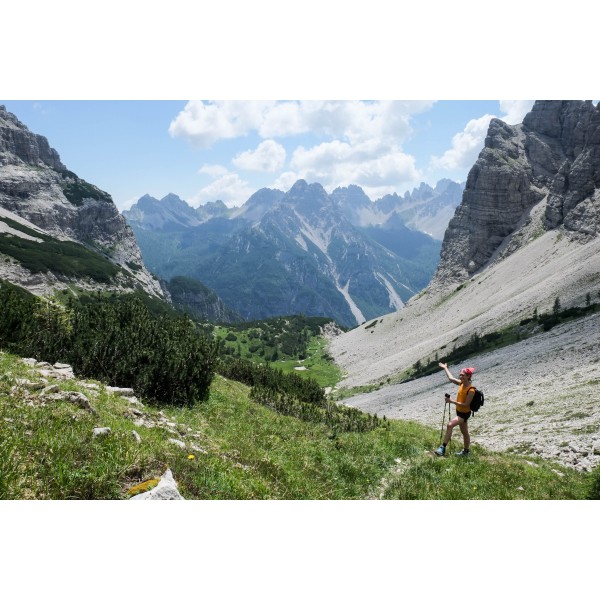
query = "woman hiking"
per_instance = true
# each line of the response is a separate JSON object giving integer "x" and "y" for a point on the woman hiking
{"x": 463, "y": 411}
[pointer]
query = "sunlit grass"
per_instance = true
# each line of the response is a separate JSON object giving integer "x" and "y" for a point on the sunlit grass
{"x": 241, "y": 450}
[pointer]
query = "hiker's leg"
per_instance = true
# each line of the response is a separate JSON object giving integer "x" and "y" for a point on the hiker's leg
{"x": 464, "y": 428}
{"x": 451, "y": 425}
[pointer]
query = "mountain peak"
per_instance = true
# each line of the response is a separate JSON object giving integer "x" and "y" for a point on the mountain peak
{"x": 170, "y": 197}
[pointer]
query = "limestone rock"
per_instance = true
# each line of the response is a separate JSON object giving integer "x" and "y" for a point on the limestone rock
{"x": 80, "y": 399}
{"x": 177, "y": 442}
{"x": 551, "y": 160}
{"x": 119, "y": 391}
{"x": 101, "y": 431}
{"x": 165, "y": 490}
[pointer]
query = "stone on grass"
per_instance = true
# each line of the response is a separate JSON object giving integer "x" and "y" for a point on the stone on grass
{"x": 165, "y": 490}
{"x": 101, "y": 431}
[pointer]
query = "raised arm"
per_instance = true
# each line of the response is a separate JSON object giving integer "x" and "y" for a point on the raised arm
{"x": 448, "y": 374}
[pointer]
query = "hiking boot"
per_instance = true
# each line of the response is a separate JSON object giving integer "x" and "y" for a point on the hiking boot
{"x": 441, "y": 451}
{"x": 463, "y": 452}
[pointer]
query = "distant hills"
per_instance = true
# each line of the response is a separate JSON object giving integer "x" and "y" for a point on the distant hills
{"x": 302, "y": 252}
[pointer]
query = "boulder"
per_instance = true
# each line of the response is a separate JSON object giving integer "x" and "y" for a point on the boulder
{"x": 165, "y": 490}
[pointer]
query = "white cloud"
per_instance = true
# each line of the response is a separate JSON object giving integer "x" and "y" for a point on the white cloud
{"x": 370, "y": 164}
{"x": 360, "y": 142}
{"x": 213, "y": 170}
{"x": 515, "y": 110}
{"x": 285, "y": 181}
{"x": 204, "y": 123}
{"x": 269, "y": 156}
{"x": 227, "y": 186}
{"x": 466, "y": 145}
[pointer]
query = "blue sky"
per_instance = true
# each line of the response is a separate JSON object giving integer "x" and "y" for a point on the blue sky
{"x": 210, "y": 150}
{"x": 231, "y": 49}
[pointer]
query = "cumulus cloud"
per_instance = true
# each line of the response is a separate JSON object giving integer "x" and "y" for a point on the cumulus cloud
{"x": 286, "y": 180}
{"x": 227, "y": 186}
{"x": 269, "y": 156}
{"x": 204, "y": 123}
{"x": 466, "y": 145}
{"x": 355, "y": 142}
{"x": 514, "y": 110}
{"x": 369, "y": 164}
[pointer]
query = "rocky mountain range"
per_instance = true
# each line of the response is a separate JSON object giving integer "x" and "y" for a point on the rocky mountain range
{"x": 525, "y": 234}
{"x": 425, "y": 209}
{"x": 57, "y": 230}
{"x": 304, "y": 251}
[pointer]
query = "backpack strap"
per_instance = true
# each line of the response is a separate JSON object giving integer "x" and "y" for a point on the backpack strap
{"x": 472, "y": 388}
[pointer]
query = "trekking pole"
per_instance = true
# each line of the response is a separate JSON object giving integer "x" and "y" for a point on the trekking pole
{"x": 443, "y": 419}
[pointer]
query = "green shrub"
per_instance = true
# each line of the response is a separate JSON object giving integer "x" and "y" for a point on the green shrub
{"x": 116, "y": 341}
{"x": 594, "y": 493}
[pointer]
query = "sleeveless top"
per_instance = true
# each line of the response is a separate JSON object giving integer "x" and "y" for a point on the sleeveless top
{"x": 461, "y": 397}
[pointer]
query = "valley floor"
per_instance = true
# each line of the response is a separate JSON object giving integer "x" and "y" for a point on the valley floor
{"x": 542, "y": 396}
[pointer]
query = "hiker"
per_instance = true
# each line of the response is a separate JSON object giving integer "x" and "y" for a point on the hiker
{"x": 463, "y": 411}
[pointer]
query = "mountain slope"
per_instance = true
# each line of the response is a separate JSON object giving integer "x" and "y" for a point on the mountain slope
{"x": 293, "y": 253}
{"x": 508, "y": 251}
{"x": 56, "y": 229}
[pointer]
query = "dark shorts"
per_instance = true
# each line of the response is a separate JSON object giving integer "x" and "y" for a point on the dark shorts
{"x": 464, "y": 416}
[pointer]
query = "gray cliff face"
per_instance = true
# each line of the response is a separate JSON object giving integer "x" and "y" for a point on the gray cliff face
{"x": 37, "y": 187}
{"x": 540, "y": 175}
{"x": 17, "y": 144}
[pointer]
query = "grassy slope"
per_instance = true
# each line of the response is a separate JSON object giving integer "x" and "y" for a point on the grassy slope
{"x": 236, "y": 449}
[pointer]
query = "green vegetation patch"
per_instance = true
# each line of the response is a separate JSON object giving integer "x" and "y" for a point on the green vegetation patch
{"x": 65, "y": 258}
{"x": 293, "y": 343}
{"x": 76, "y": 190}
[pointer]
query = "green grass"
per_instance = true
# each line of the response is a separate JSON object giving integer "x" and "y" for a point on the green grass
{"x": 243, "y": 451}
{"x": 318, "y": 364}
{"x": 284, "y": 342}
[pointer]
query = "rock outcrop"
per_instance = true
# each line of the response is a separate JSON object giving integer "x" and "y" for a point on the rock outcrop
{"x": 529, "y": 178}
{"x": 165, "y": 490}
{"x": 44, "y": 198}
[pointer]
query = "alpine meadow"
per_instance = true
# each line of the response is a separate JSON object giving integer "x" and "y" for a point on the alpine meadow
{"x": 281, "y": 332}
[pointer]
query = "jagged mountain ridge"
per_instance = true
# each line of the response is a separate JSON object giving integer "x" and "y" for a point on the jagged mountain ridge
{"x": 294, "y": 253}
{"x": 526, "y": 233}
{"x": 425, "y": 209}
{"x": 57, "y": 229}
